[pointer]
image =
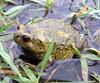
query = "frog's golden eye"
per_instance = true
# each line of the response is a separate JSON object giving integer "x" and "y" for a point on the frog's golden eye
{"x": 26, "y": 38}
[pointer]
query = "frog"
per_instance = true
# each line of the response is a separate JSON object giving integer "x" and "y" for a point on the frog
{"x": 38, "y": 36}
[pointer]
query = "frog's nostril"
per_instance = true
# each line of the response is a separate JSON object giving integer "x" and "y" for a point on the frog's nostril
{"x": 25, "y": 38}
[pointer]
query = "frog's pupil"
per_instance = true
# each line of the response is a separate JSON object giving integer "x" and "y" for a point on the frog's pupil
{"x": 25, "y": 38}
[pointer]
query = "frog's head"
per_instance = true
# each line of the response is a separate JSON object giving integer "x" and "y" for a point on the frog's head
{"x": 26, "y": 40}
{"x": 23, "y": 38}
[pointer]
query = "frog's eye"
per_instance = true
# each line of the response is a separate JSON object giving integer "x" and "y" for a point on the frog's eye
{"x": 17, "y": 36}
{"x": 25, "y": 38}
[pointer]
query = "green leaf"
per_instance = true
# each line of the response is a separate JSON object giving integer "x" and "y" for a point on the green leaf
{"x": 39, "y": 2}
{"x": 6, "y": 26}
{"x": 1, "y": 65}
{"x": 1, "y": 10}
{"x": 94, "y": 12}
{"x": 47, "y": 55}
{"x": 91, "y": 57}
{"x": 8, "y": 60}
{"x": 94, "y": 51}
{"x": 97, "y": 4}
{"x": 25, "y": 80}
{"x": 96, "y": 16}
{"x": 80, "y": 82}
{"x": 49, "y": 3}
{"x": 84, "y": 1}
{"x": 81, "y": 22}
{"x": 6, "y": 79}
{"x": 9, "y": 1}
{"x": 15, "y": 11}
{"x": 77, "y": 52}
{"x": 46, "y": 58}
{"x": 96, "y": 76}
{"x": 84, "y": 67}
{"x": 29, "y": 72}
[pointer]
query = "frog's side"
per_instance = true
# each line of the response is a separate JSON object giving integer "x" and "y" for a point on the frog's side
{"x": 37, "y": 38}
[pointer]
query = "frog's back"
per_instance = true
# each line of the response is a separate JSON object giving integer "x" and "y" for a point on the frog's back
{"x": 58, "y": 29}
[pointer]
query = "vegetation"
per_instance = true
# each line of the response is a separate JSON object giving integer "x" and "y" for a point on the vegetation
{"x": 9, "y": 18}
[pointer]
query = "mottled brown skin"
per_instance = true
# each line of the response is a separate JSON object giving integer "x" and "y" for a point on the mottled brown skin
{"x": 37, "y": 38}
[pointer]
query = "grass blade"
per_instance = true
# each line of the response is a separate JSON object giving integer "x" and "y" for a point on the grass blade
{"x": 6, "y": 26}
{"x": 29, "y": 72}
{"x": 15, "y": 11}
{"x": 94, "y": 51}
{"x": 84, "y": 69}
{"x": 49, "y": 4}
{"x": 8, "y": 60}
{"x": 25, "y": 80}
{"x": 77, "y": 52}
{"x": 6, "y": 80}
{"x": 46, "y": 58}
{"x": 91, "y": 57}
{"x": 47, "y": 55}
{"x": 39, "y": 2}
{"x": 96, "y": 76}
